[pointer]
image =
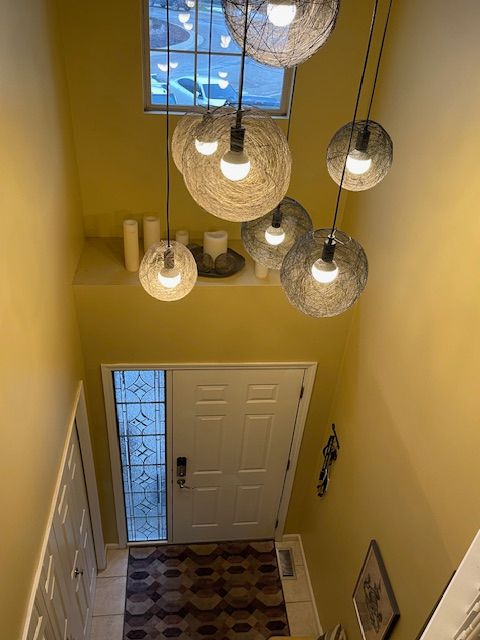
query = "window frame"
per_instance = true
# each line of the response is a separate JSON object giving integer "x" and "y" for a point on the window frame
{"x": 149, "y": 107}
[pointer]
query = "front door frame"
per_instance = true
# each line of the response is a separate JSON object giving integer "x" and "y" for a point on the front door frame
{"x": 310, "y": 369}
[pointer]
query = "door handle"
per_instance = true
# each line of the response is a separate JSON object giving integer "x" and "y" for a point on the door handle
{"x": 182, "y": 485}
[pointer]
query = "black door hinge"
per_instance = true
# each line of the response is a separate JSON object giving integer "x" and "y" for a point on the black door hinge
{"x": 301, "y": 392}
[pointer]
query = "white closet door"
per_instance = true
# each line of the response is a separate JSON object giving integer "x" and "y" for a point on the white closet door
{"x": 235, "y": 429}
{"x": 72, "y": 529}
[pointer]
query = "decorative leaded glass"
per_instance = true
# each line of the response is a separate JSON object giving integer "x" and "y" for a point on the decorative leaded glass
{"x": 140, "y": 408}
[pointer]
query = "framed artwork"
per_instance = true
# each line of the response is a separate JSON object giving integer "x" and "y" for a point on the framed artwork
{"x": 373, "y": 598}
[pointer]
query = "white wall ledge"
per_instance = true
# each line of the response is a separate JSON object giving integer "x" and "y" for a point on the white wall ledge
{"x": 102, "y": 263}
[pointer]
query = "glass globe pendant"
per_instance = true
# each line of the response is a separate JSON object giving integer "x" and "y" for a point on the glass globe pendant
{"x": 369, "y": 151}
{"x": 269, "y": 238}
{"x": 282, "y": 33}
{"x": 168, "y": 272}
{"x": 324, "y": 273}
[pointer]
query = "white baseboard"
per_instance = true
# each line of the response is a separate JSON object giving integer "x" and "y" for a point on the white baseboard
{"x": 298, "y": 538}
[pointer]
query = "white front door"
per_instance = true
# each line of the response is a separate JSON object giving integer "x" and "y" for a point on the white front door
{"x": 235, "y": 428}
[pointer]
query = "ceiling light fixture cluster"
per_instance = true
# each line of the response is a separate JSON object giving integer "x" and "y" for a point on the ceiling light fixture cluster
{"x": 236, "y": 164}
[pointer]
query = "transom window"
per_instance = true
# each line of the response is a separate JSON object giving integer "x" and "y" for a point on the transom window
{"x": 267, "y": 88}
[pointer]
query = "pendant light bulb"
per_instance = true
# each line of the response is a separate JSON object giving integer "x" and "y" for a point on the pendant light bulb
{"x": 358, "y": 162}
{"x": 325, "y": 269}
{"x": 206, "y": 148}
{"x": 324, "y": 272}
{"x": 170, "y": 278}
{"x": 274, "y": 235}
{"x": 281, "y": 13}
{"x": 235, "y": 164}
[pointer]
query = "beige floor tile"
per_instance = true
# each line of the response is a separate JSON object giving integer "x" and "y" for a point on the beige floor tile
{"x": 109, "y": 596}
{"x": 107, "y": 628}
{"x": 296, "y": 590}
{"x": 117, "y": 561}
{"x": 301, "y": 619}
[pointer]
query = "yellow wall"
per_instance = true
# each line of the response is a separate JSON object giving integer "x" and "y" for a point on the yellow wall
{"x": 39, "y": 246}
{"x": 407, "y": 406}
{"x": 212, "y": 324}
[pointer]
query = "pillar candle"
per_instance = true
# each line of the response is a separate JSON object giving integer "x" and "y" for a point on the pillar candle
{"x": 182, "y": 236}
{"x": 151, "y": 231}
{"x": 130, "y": 244}
{"x": 215, "y": 243}
{"x": 261, "y": 271}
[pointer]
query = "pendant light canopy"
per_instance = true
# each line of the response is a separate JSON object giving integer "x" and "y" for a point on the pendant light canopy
{"x": 319, "y": 286}
{"x": 269, "y": 238}
{"x": 369, "y": 155}
{"x": 168, "y": 271}
{"x": 281, "y": 33}
{"x": 246, "y": 177}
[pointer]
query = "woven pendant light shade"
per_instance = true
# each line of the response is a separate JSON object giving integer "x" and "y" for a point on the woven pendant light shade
{"x": 154, "y": 262}
{"x": 183, "y": 132}
{"x": 318, "y": 299}
{"x": 267, "y": 181}
{"x": 378, "y": 148}
{"x": 271, "y": 41}
{"x": 294, "y": 222}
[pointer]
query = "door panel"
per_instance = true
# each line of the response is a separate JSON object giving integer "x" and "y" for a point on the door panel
{"x": 235, "y": 428}
{"x": 74, "y": 542}
{"x": 39, "y": 627}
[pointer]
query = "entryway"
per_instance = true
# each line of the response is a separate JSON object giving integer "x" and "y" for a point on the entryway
{"x": 204, "y": 452}
{"x": 109, "y": 608}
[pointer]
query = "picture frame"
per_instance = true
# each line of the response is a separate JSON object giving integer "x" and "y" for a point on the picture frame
{"x": 373, "y": 598}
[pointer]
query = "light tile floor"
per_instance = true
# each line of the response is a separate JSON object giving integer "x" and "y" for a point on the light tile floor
{"x": 109, "y": 603}
{"x": 300, "y": 609}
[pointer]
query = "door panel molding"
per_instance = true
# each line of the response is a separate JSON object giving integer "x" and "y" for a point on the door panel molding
{"x": 309, "y": 369}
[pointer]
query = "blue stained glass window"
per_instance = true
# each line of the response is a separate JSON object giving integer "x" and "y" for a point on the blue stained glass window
{"x": 140, "y": 409}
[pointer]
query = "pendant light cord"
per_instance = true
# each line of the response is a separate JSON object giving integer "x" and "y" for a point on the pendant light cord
{"x": 210, "y": 54}
{"x": 242, "y": 67}
{"x": 362, "y": 78}
{"x": 291, "y": 103}
{"x": 379, "y": 59}
{"x": 167, "y": 128}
